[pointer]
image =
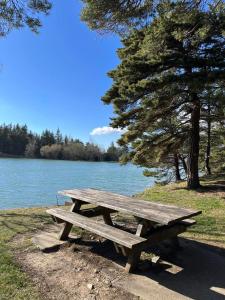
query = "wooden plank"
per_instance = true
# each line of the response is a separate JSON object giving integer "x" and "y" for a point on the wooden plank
{"x": 145, "y": 205}
{"x": 141, "y": 204}
{"x": 158, "y": 213}
{"x": 114, "y": 234}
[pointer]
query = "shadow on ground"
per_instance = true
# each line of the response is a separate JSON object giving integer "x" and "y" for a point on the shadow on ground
{"x": 215, "y": 186}
{"x": 210, "y": 188}
{"x": 196, "y": 272}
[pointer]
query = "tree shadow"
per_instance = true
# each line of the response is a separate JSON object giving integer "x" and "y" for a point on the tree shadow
{"x": 212, "y": 188}
{"x": 202, "y": 270}
{"x": 199, "y": 268}
{"x": 216, "y": 187}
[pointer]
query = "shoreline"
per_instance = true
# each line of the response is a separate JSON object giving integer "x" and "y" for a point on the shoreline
{"x": 4, "y": 155}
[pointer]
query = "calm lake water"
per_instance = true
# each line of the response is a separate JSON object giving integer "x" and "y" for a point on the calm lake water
{"x": 35, "y": 182}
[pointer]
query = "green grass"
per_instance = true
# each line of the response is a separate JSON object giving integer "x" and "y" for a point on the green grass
{"x": 14, "y": 283}
{"x": 210, "y": 199}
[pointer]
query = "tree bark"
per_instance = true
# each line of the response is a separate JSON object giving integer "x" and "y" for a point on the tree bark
{"x": 181, "y": 157}
{"x": 192, "y": 176}
{"x": 208, "y": 147}
{"x": 176, "y": 167}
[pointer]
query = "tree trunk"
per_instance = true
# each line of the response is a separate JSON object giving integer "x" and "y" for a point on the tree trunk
{"x": 208, "y": 147}
{"x": 181, "y": 157}
{"x": 176, "y": 166}
{"x": 192, "y": 176}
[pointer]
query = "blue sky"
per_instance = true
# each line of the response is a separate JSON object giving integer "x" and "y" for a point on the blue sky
{"x": 56, "y": 79}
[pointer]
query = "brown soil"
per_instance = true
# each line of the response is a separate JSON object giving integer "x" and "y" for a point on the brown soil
{"x": 91, "y": 269}
{"x": 70, "y": 273}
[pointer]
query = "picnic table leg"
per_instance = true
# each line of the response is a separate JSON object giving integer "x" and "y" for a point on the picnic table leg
{"x": 134, "y": 255}
{"x": 132, "y": 261}
{"x": 108, "y": 220}
{"x": 142, "y": 227}
{"x": 65, "y": 231}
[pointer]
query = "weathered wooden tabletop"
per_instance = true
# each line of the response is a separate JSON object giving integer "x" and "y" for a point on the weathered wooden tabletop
{"x": 152, "y": 211}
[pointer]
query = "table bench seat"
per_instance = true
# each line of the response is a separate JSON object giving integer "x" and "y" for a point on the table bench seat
{"x": 116, "y": 235}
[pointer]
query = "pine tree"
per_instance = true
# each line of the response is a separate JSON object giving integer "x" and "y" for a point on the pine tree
{"x": 16, "y": 14}
{"x": 47, "y": 138}
{"x": 121, "y": 16}
{"x": 58, "y": 137}
{"x": 117, "y": 15}
{"x": 164, "y": 71}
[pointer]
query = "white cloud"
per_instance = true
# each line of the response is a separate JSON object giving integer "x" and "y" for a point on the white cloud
{"x": 105, "y": 130}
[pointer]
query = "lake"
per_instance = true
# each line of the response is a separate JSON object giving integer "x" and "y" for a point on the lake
{"x": 35, "y": 182}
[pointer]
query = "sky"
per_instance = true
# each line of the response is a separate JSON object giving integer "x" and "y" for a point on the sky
{"x": 56, "y": 79}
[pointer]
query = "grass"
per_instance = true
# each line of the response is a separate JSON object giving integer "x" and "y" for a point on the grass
{"x": 14, "y": 283}
{"x": 210, "y": 228}
{"x": 210, "y": 199}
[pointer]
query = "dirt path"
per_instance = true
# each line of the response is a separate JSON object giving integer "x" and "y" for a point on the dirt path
{"x": 85, "y": 271}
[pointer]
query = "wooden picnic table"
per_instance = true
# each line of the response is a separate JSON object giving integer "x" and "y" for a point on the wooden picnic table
{"x": 155, "y": 222}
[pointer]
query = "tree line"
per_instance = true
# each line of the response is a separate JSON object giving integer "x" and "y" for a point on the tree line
{"x": 18, "y": 140}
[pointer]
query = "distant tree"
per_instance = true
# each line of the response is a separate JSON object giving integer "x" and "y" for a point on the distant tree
{"x": 51, "y": 151}
{"x": 66, "y": 140}
{"x": 32, "y": 149}
{"x": 74, "y": 151}
{"x": 113, "y": 153}
{"x": 58, "y": 137}
{"x": 13, "y": 139}
{"x": 18, "y": 140}
{"x": 16, "y": 14}
{"x": 93, "y": 152}
{"x": 47, "y": 138}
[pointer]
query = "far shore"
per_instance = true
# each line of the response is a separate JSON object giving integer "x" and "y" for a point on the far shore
{"x": 5, "y": 155}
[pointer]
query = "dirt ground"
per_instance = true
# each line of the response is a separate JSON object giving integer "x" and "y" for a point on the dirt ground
{"x": 89, "y": 268}
{"x": 74, "y": 271}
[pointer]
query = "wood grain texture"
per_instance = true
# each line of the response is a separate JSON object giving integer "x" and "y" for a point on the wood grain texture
{"x": 114, "y": 234}
{"x": 156, "y": 212}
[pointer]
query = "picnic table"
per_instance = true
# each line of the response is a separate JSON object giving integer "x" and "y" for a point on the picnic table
{"x": 155, "y": 222}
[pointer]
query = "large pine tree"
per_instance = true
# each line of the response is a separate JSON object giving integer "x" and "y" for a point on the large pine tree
{"x": 121, "y": 16}
{"x": 164, "y": 71}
